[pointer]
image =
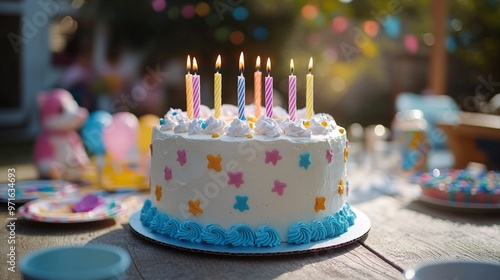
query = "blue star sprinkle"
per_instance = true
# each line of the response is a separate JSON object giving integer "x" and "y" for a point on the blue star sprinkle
{"x": 241, "y": 203}
{"x": 305, "y": 160}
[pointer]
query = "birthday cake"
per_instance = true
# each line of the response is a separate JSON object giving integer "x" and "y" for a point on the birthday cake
{"x": 224, "y": 181}
{"x": 462, "y": 186}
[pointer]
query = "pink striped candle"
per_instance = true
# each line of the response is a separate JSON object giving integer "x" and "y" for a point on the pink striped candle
{"x": 292, "y": 93}
{"x": 196, "y": 91}
{"x": 268, "y": 81}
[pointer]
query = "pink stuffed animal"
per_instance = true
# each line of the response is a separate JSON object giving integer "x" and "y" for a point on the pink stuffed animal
{"x": 59, "y": 153}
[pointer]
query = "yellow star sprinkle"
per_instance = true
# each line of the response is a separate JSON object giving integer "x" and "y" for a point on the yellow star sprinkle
{"x": 346, "y": 154}
{"x": 323, "y": 123}
{"x": 307, "y": 124}
{"x": 251, "y": 125}
{"x": 341, "y": 130}
{"x": 252, "y": 119}
{"x": 194, "y": 207}
{"x": 341, "y": 188}
{"x": 215, "y": 135}
{"x": 320, "y": 203}
{"x": 249, "y": 136}
{"x": 158, "y": 192}
{"x": 214, "y": 162}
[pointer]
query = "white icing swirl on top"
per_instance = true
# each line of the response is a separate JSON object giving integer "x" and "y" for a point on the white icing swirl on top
{"x": 214, "y": 125}
{"x": 182, "y": 127}
{"x": 175, "y": 114}
{"x": 267, "y": 126}
{"x": 238, "y": 128}
{"x": 322, "y": 124}
{"x": 195, "y": 127}
{"x": 295, "y": 129}
{"x": 169, "y": 123}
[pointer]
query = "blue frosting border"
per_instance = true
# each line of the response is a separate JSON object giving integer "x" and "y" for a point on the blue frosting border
{"x": 242, "y": 235}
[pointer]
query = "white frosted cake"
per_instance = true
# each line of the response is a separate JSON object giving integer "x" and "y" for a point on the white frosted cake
{"x": 248, "y": 183}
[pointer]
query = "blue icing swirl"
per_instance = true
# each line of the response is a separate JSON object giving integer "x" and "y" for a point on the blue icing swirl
{"x": 144, "y": 210}
{"x": 342, "y": 223}
{"x": 350, "y": 215}
{"x": 267, "y": 236}
{"x": 171, "y": 228}
{"x": 159, "y": 221}
{"x": 150, "y": 216}
{"x": 318, "y": 230}
{"x": 299, "y": 233}
{"x": 214, "y": 234}
{"x": 240, "y": 235}
{"x": 329, "y": 223}
{"x": 190, "y": 230}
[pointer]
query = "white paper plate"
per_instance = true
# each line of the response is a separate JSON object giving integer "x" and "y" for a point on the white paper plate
{"x": 357, "y": 231}
{"x": 53, "y": 210}
{"x": 460, "y": 207}
{"x": 29, "y": 190}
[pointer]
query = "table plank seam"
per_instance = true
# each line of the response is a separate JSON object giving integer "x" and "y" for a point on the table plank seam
{"x": 389, "y": 262}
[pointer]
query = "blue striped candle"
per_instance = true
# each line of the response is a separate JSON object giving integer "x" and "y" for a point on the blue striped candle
{"x": 241, "y": 90}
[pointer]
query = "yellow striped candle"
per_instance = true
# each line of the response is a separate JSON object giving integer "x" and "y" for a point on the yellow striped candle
{"x": 217, "y": 88}
{"x": 189, "y": 89}
{"x": 310, "y": 92}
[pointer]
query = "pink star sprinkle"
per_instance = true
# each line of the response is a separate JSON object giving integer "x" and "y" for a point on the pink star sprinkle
{"x": 235, "y": 178}
{"x": 329, "y": 155}
{"x": 168, "y": 173}
{"x": 273, "y": 156}
{"x": 278, "y": 187}
{"x": 181, "y": 157}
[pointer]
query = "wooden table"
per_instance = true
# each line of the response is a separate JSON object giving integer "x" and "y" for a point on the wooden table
{"x": 404, "y": 233}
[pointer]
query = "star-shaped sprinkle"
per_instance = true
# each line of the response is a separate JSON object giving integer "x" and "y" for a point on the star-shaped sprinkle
{"x": 324, "y": 123}
{"x": 273, "y": 156}
{"x": 341, "y": 188}
{"x": 194, "y": 207}
{"x": 215, "y": 135}
{"x": 241, "y": 203}
{"x": 214, "y": 162}
{"x": 341, "y": 130}
{"x": 329, "y": 155}
{"x": 167, "y": 173}
{"x": 181, "y": 157}
{"x": 320, "y": 203}
{"x": 307, "y": 124}
{"x": 305, "y": 160}
{"x": 158, "y": 192}
{"x": 162, "y": 121}
{"x": 235, "y": 178}
{"x": 278, "y": 187}
{"x": 346, "y": 154}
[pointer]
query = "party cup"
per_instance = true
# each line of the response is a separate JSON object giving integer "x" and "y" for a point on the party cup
{"x": 463, "y": 270}
{"x": 87, "y": 262}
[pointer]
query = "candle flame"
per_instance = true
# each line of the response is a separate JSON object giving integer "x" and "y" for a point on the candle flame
{"x": 188, "y": 64}
{"x": 310, "y": 65}
{"x": 292, "y": 66}
{"x": 242, "y": 63}
{"x": 195, "y": 65}
{"x": 268, "y": 66}
{"x": 257, "y": 63}
{"x": 217, "y": 64}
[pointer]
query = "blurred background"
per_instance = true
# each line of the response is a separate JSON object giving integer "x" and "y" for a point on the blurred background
{"x": 123, "y": 55}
